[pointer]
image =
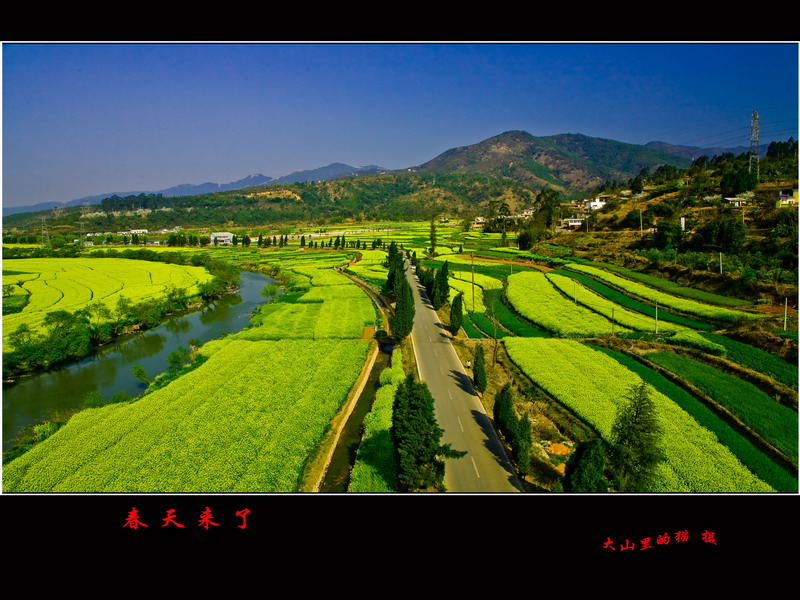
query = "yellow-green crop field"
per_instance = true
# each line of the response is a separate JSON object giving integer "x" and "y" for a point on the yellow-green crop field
{"x": 244, "y": 421}
{"x": 72, "y": 283}
{"x": 594, "y": 386}
{"x": 370, "y": 268}
{"x": 535, "y": 298}
{"x": 683, "y": 305}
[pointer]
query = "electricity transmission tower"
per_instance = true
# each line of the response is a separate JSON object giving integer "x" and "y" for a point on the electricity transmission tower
{"x": 754, "y": 143}
{"x": 45, "y": 234}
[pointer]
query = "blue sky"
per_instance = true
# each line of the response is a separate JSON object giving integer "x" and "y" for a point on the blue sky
{"x": 85, "y": 119}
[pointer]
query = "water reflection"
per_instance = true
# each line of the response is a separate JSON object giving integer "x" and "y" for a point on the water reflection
{"x": 109, "y": 370}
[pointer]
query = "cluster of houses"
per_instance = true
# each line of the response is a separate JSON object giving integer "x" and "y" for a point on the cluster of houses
{"x": 780, "y": 200}
{"x": 130, "y": 233}
{"x": 567, "y": 223}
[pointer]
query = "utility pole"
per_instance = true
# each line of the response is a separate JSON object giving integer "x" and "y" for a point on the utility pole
{"x": 720, "y": 263}
{"x": 785, "y": 306}
{"x": 656, "y": 318}
{"x": 753, "y": 144}
{"x": 473, "y": 281}
{"x": 494, "y": 335}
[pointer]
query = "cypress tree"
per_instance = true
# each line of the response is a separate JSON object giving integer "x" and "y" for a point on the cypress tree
{"x": 396, "y": 271}
{"x": 427, "y": 278}
{"x": 636, "y": 436}
{"x": 417, "y": 438}
{"x": 456, "y": 313}
{"x": 517, "y": 431}
{"x": 479, "y": 369}
{"x": 503, "y": 411}
{"x": 392, "y": 252}
{"x": 402, "y": 322}
{"x": 441, "y": 289}
{"x": 521, "y": 443}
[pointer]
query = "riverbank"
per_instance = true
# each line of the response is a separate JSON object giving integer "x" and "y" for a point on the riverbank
{"x": 38, "y": 397}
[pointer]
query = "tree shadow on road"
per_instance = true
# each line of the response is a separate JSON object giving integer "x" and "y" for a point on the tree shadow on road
{"x": 462, "y": 381}
{"x": 494, "y": 446}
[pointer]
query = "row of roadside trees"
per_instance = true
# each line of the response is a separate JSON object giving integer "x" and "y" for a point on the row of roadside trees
{"x": 419, "y": 453}
{"x": 627, "y": 463}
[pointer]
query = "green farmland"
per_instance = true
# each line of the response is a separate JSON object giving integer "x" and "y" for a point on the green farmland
{"x": 71, "y": 284}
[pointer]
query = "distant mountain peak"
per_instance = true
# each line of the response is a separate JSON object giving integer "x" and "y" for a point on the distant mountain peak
{"x": 331, "y": 171}
{"x": 573, "y": 163}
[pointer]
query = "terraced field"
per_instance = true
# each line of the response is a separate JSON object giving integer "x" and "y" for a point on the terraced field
{"x": 593, "y": 385}
{"x": 684, "y": 305}
{"x": 535, "y": 298}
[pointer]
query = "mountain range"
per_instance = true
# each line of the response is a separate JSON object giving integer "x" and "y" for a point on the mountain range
{"x": 570, "y": 163}
{"x": 331, "y": 171}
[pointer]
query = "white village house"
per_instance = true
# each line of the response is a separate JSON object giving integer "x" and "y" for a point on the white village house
{"x": 221, "y": 238}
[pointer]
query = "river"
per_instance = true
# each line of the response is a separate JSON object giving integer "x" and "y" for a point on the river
{"x": 31, "y": 399}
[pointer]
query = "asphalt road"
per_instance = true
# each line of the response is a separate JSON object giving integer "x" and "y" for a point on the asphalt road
{"x": 485, "y": 468}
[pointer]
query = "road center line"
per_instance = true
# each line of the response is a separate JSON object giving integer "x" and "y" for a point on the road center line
{"x": 460, "y": 425}
{"x": 475, "y": 467}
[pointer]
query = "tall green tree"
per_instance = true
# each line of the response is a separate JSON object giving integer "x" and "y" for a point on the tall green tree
{"x": 479, "y": 369}
{"x": 636, "y": 440}
{"x": 417, "y": 439}
{"x": 456, "y": 313}
{"x": 547, "y": 205}
{"x": 521, "y": 444}
{"x": 397, "y": 268}
{"x": 402, "y": 322}
{"x": 441, "y": 287}
{"x": 516, "y": 431}
{"x": 669, "y": 234}
{"x": 503, "y": 412}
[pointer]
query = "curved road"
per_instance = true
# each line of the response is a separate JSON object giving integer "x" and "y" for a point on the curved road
{"x": 460, "y": 413}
